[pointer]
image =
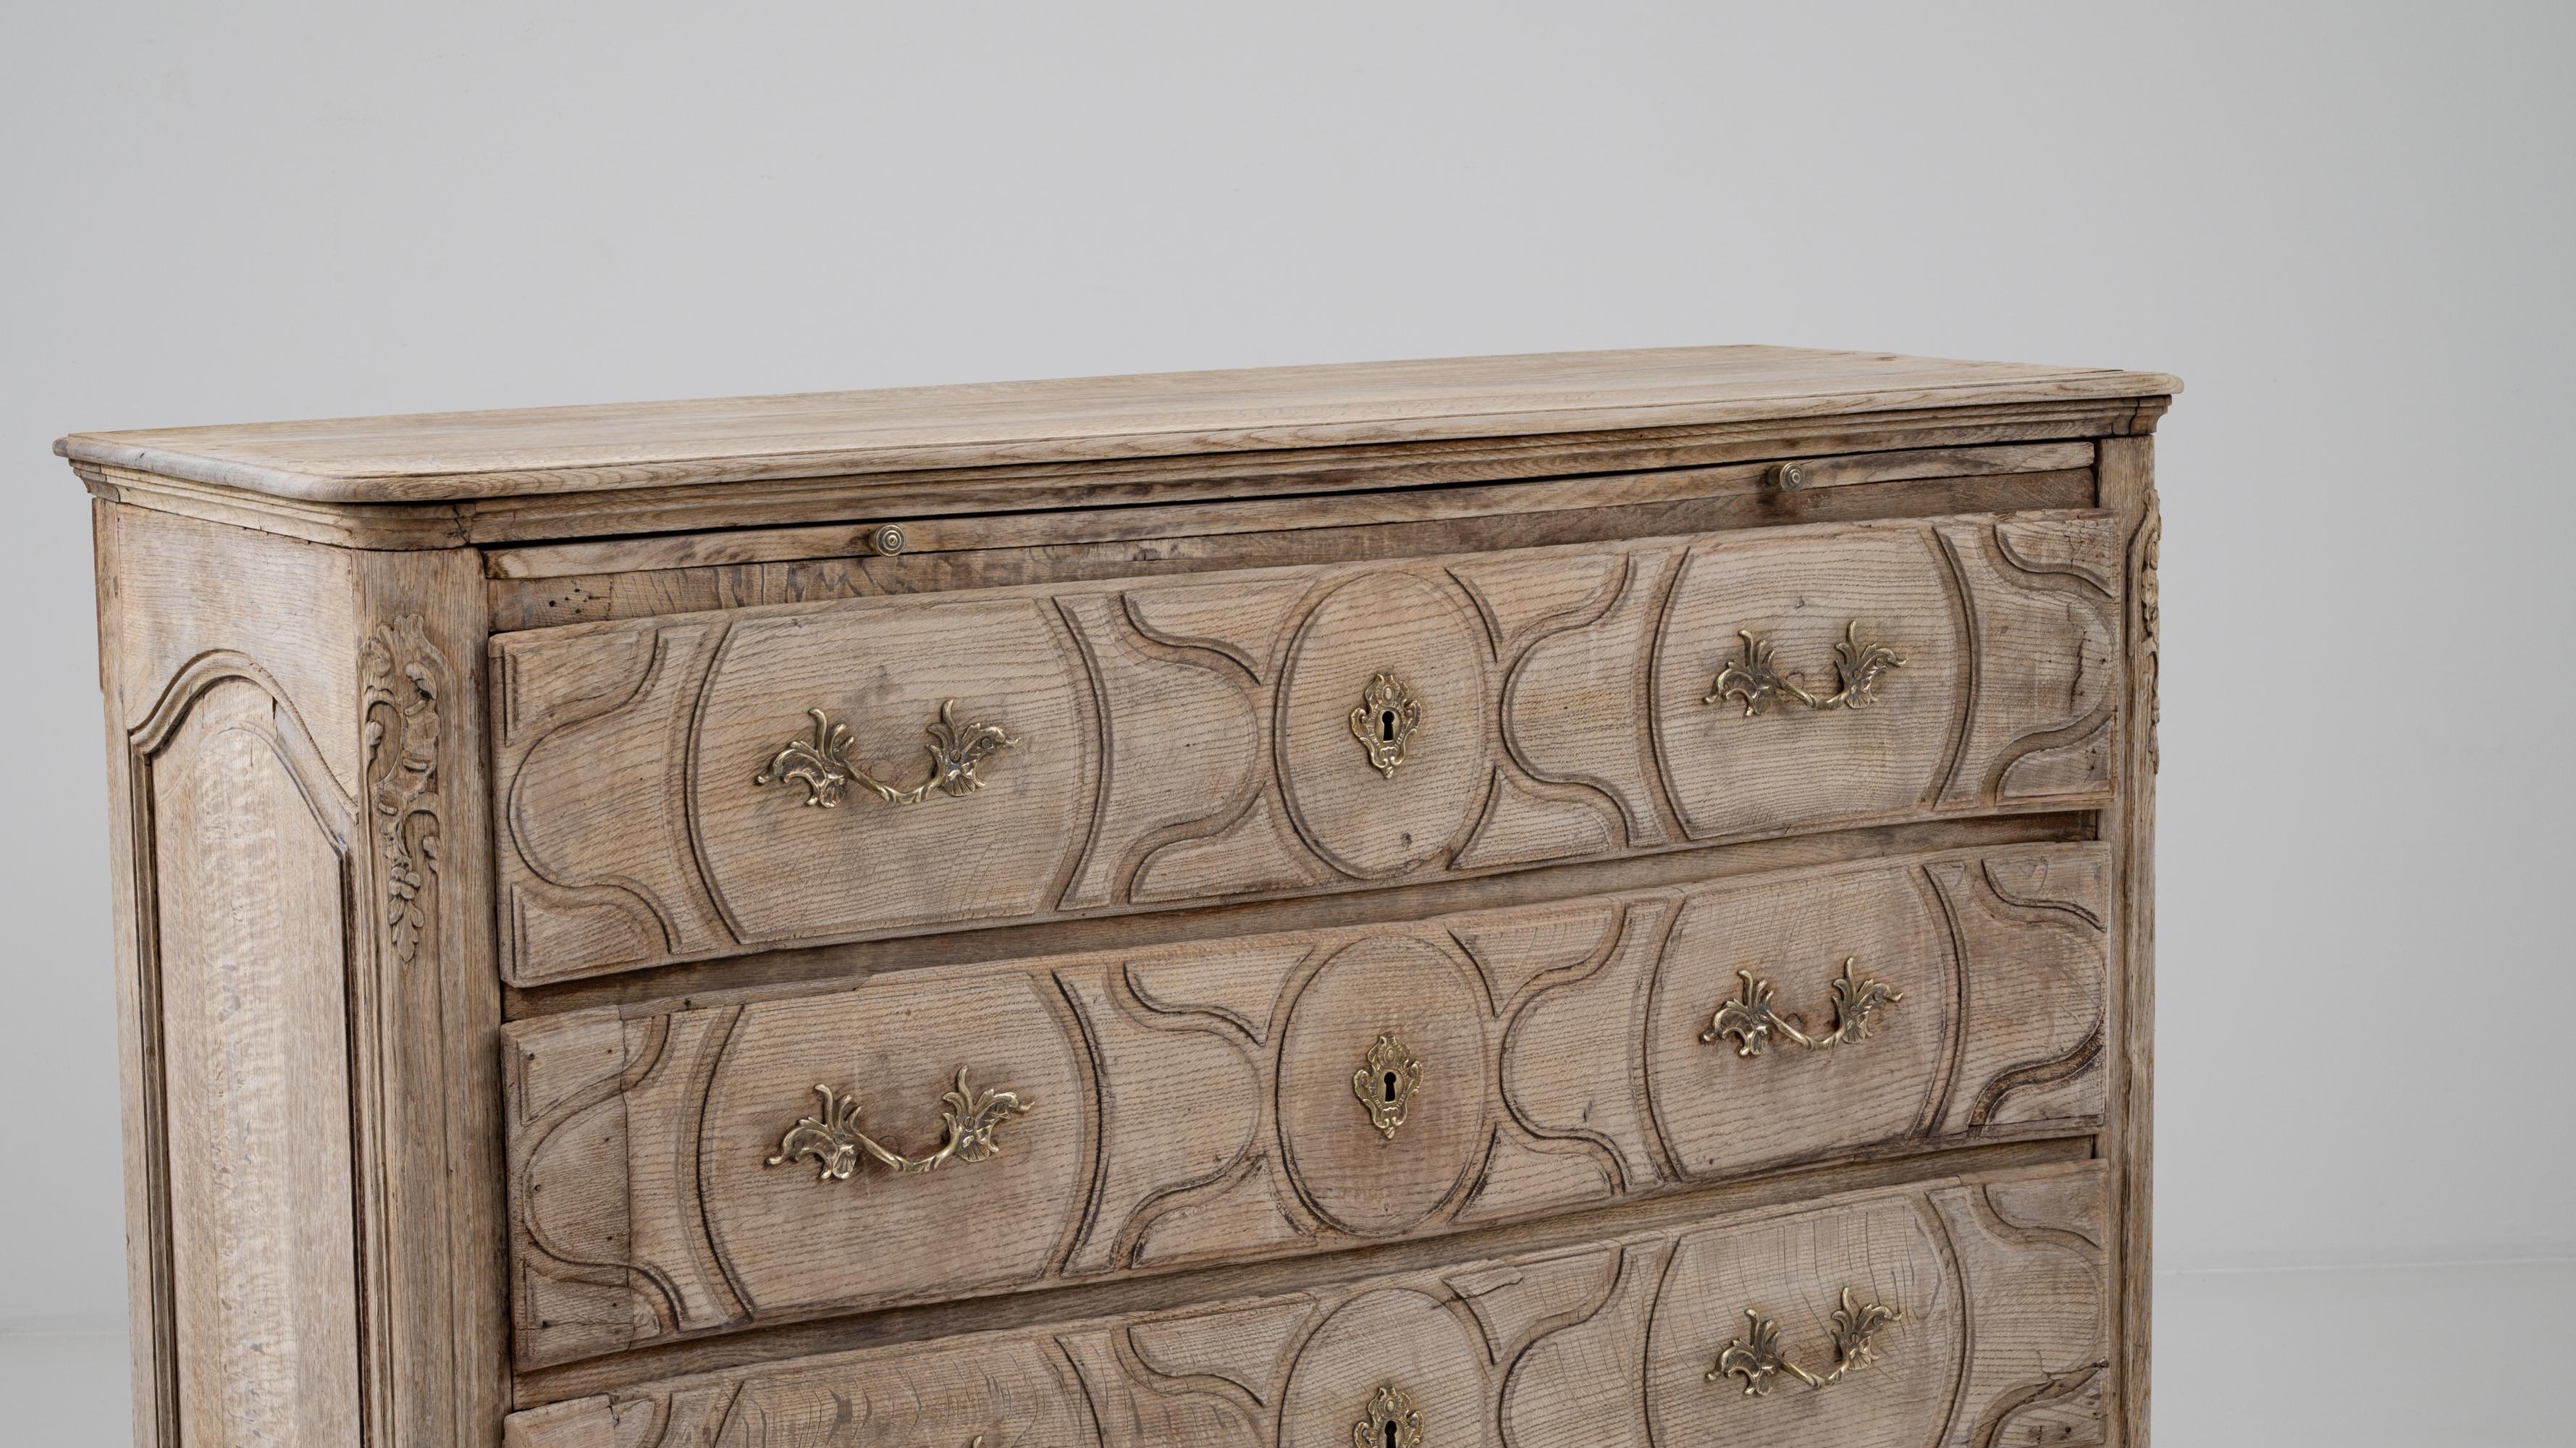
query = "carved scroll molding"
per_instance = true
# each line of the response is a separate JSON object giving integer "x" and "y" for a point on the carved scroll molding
{"x": 404, "y": 678}
{"x": 1566, "y": 1346}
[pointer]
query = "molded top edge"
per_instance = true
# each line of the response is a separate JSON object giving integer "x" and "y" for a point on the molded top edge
{"x": 460, "y": 456}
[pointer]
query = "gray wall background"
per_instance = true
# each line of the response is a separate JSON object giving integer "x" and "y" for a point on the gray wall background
{"x": 2347, "y": 226}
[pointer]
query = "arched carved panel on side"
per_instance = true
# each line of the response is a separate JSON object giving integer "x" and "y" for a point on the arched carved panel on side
{"x": 243, "y": 886}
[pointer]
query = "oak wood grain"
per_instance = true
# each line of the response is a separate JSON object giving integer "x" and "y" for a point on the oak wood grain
{"x": 767, "y": 975}
{"x": 603, "y": 597}
{"x": 1116, "y": 482}
{"x": 418, "y": 724}
{"x": 2128, "y": 486}
{"x": 1998, "y": 1286}
{"x": 1263, "y": 515}
{"x": 311, "y": 1011}
{"x": 447, "y": 456}
{"x": 1186, "y": 741}
{"x": 254, "y": 1058}
{"x": 1154, "y": 1293}
{"x": 1197, "y": 1103}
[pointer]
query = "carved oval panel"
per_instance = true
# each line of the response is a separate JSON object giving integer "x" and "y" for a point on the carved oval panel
{"x": 781, "y": 870}
{"x": 1365, "y": 820}
{"x": 1794, "y": 762}
{"x": 1400, "y": 1338}
{"x": 1723, "y": 1113}
{"x": 895, "y": 1044}
{"x": 1349, "y": 1171}
{"x": 1793, "y": 1271}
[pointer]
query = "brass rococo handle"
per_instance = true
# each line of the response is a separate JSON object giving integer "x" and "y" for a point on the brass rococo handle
{"x": 1756, "y": 681}
{"x": 1752, "y": 1020}
{"x": 823, "y": 764}
{"x": 1757, "y": 1359}
{"x": 832, "y": 1138}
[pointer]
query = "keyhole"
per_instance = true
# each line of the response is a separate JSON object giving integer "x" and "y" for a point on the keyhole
{"x": 1386, "y": 735}
{"x": 1390, "y": 1088}
{"x": 1390, "y": 1425}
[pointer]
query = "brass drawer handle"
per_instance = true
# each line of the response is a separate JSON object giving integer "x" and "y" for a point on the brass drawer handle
{"x": 1756, "y": 681}
{"x": 1756, "y": 1356}
{"x": 1385, "y": 1083}
{"x": 834, "y": 1139}
{"x": 1752, "y": 1020}
{"x": 824, "y": 766}
{"x": 1390, "y": 1422}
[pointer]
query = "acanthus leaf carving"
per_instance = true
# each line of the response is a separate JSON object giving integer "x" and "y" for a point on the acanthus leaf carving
{"x": 405, "y": 677}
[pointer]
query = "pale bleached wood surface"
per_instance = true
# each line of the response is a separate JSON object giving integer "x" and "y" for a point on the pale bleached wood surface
{"x": 1207, "y": 520}
{"x": 442, "y": 456}
{"x": 254, "y": 1056}
{"x": 426, "y": 1017}
{"x": 1186, "y": 741}
{"x": 1445, "y": 520}
{"x": 1998, "y": 1282}
{"x": 293, "y": 654}
{"x": 351, "y": 1022}
{"x": 1197, "y": 1104}
{"x": 2128, "y": 486}
{"x": 768, "y": 974}
{"x": 1117, "y": 482}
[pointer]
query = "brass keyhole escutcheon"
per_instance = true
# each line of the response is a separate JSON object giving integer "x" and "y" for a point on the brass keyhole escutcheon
{"x": 1391, "y": 1421}
{"x": 1385, "y": 1083}
{"x": 1385, "y": 721}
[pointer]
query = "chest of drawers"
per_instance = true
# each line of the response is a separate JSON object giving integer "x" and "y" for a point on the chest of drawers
{"x": 1599, "y": 898}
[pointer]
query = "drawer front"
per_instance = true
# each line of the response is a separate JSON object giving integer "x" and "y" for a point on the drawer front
{"x": 996, "y": 1127}
{"x": 703, "y": 784}
{"x": 1954, "y": 1313}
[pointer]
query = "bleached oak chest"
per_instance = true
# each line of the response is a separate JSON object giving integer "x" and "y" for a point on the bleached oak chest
{"x": 1588, "y": 899}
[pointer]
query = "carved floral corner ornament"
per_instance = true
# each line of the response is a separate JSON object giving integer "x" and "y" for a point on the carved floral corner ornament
{"x": 1752, "y": 1019}
{"x": 971, "y": 1117}
{"x": 1384, "y": 722}
{"x": 825, "y": 767}
{"x": 1755, "y": 680}
{"x": 1391, "y": 1421}
{"x": 1385, "y": 1083}
{"x": 404, "y": 677}
{"x": 1757, "y": 1357}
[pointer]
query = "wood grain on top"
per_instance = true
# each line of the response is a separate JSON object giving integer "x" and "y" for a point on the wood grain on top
{"x": 436, "y": 457}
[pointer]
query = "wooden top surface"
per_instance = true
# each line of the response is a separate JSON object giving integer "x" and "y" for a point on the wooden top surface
{"x": 456, "y": 456}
